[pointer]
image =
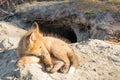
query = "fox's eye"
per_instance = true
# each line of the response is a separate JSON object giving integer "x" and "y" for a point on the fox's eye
{"x": 40, "y": 47}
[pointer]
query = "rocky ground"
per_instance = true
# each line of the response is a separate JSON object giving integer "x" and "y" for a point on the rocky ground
{"x": 98, "y": 60}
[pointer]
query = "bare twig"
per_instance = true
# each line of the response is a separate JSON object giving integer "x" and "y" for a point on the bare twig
{"x": 6, "y": 12}
{"x": 2, "y": 2}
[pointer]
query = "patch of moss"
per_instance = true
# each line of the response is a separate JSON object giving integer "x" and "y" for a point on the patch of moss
{"x": 89, "y": 12}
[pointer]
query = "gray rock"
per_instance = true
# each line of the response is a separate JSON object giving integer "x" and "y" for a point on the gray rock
{"x": 98, "y": 60}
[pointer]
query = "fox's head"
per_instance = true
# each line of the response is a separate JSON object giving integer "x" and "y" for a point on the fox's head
{"x": 33, "y": 41}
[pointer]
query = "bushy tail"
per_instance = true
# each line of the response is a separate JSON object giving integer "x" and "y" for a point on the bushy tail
{"x": 74, "y": 62}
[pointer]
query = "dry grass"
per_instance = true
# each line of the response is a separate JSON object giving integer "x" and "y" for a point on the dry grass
{"x": 93, "y": 5}
{"x": 113, "y": 1}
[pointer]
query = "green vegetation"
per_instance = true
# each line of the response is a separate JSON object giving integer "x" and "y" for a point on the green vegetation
{"x": 89, "y": 12}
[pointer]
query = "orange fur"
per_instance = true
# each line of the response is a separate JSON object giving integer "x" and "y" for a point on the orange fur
{"x": 50, "y": 50}
{"x": 27, "y": 60}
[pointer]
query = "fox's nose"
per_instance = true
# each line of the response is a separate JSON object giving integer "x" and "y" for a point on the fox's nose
{"x": 46, "y": 53}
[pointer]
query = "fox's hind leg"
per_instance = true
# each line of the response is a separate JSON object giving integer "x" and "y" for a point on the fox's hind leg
{"x": 57, "y": 65}
{"x": 66, "y": 65}
{"x": 65, "y": 59}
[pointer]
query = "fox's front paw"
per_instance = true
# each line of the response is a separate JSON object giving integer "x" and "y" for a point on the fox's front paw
{"x": 64, "y": 69}
{"x": 49, "y": 68}
{"x": 19, "y": 64}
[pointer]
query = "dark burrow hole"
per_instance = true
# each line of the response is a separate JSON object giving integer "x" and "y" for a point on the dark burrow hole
{"x": 63, "y": 31}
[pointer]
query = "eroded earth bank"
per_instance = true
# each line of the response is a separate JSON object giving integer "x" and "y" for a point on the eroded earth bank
{"x": 94, "y": 37}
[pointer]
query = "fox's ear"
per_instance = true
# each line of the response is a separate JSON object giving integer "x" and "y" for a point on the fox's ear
{"x": 35, "y": 26}
{"x": 30, "y": 37}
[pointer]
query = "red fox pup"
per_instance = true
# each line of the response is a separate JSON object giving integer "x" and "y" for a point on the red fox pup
{"x": 48, "y": 49}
